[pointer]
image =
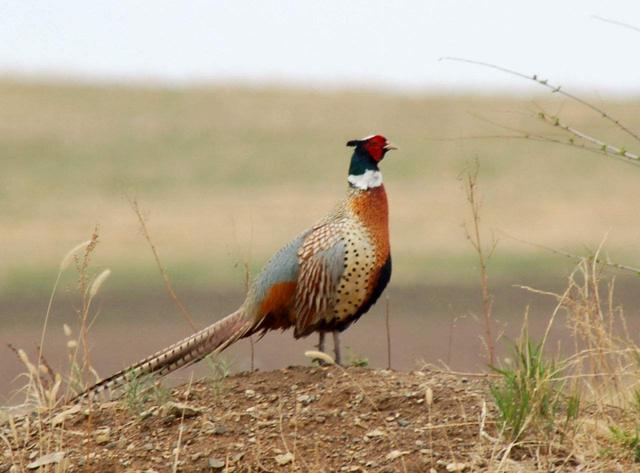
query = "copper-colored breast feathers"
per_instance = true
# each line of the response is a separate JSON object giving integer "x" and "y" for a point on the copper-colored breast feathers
{"x": 367, "y": 250}
{"x": 371, "y": 208}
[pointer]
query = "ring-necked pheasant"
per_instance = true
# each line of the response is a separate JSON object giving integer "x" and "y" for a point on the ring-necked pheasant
{"x": 322, "y": 281}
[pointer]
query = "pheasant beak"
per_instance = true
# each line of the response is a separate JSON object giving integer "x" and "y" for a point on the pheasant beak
{"x": 389, "y": 146}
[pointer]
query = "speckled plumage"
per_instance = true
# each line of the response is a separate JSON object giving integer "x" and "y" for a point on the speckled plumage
{"x": 345, "y": 254}
{"x": 323, "y": 280}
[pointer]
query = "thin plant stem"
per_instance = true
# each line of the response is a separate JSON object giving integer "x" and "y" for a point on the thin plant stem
{"x": 388, "y": 327}
{"x": 48, "y": 313}
{"x": 165, "y": 277}
{"x": 475, "y": 238}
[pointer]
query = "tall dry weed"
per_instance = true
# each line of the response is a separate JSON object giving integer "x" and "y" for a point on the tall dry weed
{"x": 44, "y": 389}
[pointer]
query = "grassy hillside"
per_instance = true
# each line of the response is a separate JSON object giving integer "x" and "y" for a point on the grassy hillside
{"x": 228, "y": 175}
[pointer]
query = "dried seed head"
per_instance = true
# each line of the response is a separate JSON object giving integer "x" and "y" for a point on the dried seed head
{"x": 23, "y": 357}
{"x": 318, "y": 355}
{"x": 67, "y": 330}
{"x": 53, "y": 393}
{"x": 33, "y": 371}
{"x": 69, "y": 256}
{"x": 97, "y": 282}
{"x": 428, "y": 396}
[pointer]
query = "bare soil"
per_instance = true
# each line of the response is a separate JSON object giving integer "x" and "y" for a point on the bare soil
{"x": 317, "y": 419}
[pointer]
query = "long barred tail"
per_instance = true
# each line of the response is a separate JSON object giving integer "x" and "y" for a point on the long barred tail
{"x": 214, "y": 338}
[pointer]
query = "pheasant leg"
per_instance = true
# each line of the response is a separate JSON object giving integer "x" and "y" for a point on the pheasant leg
{"x": 336, "y": 347}
{"x": 321, "y": 341}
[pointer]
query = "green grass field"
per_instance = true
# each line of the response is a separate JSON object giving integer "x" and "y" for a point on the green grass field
{"x": 228, "y": 175}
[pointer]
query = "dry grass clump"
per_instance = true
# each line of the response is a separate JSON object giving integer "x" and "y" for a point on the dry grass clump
{"x": 606, "y": 361}
{"x": 581, "y": 403}
{"x": 605, "y": 368}
{"x": 45, "y": 390}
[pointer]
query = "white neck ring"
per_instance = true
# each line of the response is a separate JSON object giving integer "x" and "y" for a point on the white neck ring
{"x": 365, "y": 181}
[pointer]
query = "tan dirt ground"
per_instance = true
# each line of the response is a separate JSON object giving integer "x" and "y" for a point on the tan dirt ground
{"x": 316, "y": 419}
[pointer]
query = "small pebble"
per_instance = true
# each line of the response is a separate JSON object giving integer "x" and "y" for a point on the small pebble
{"x": 284, "y": 459}
{"x": 455, "y": 467}
{"x": 216, "y": 463}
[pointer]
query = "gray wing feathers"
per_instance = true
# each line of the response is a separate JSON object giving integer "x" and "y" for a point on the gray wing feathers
{"x": 282, "y": 267}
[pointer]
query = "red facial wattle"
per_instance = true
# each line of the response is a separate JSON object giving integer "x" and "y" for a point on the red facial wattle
{"x": 375, "y": 147}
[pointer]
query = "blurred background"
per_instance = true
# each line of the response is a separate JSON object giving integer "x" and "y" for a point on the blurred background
{"x": 227, "y": 122}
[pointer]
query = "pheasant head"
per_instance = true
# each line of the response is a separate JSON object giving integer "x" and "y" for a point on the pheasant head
{"x": 363, "y": 171}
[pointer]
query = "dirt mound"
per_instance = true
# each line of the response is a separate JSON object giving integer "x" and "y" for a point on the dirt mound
{"x": 296, "y": 419}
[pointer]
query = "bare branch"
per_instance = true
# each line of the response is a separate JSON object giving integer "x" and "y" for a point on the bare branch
{"x": 542, "y": 139}
{"x": 616, "y": 22}
{"x": 573, "y": 256}
{"x": 592, "y": 144}
{"x": 556, "y": 89}
{"x": 604, "y": 147}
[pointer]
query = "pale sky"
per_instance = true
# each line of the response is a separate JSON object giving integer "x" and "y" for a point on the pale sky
{"x": 372, "y": 43}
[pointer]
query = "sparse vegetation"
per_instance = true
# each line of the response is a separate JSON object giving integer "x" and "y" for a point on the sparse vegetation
{"x": 356, "y": 359}
{"x": 39, "y": 421}
{"x": 143, "y": 390}
{"x": 529, "y": 394}
{"x": 219, "y": 369}
{"x": 629, "y": 439}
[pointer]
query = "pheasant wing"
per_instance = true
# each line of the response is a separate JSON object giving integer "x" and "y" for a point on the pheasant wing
{"x": 321, "y": 260}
